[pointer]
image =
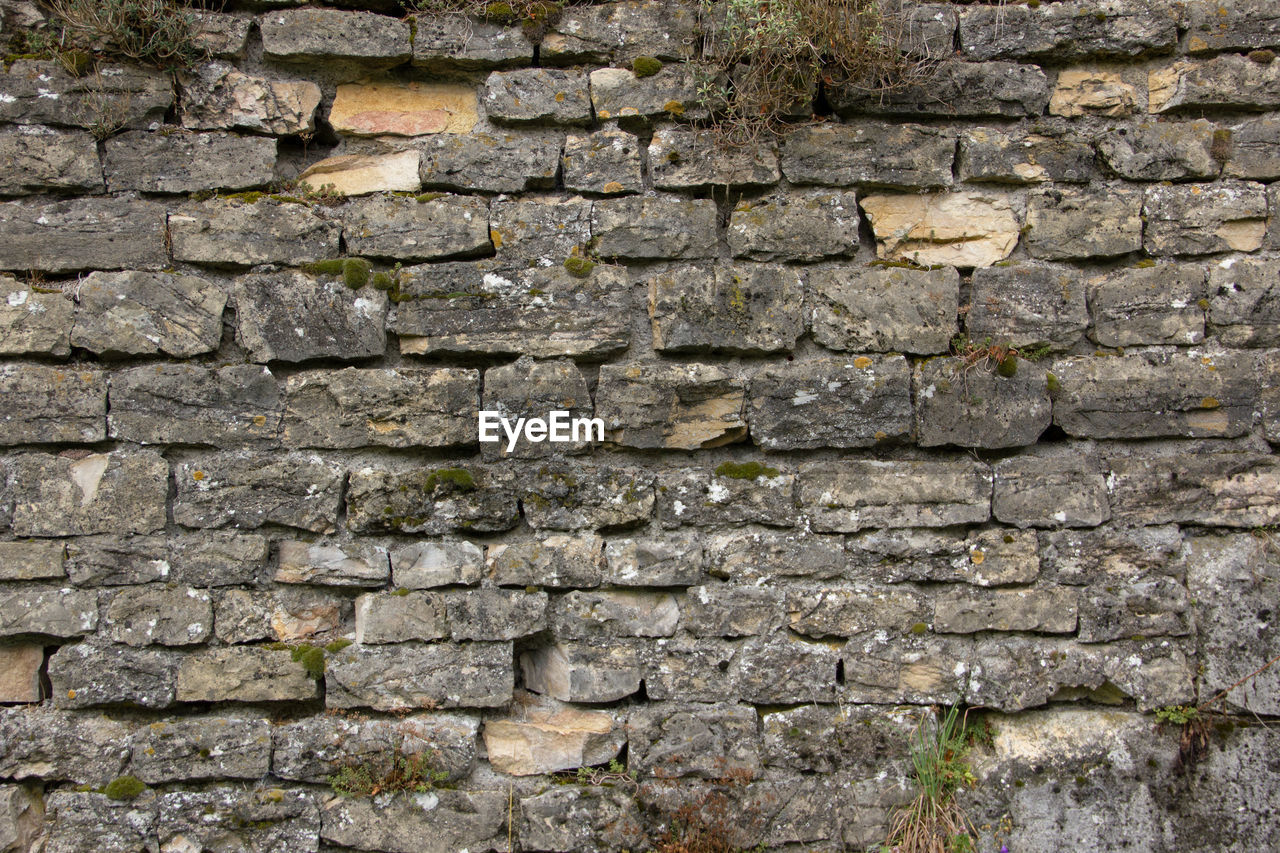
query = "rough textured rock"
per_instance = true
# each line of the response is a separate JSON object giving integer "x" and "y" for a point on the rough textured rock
{"x": 428, "y": 564}
{"x": 1254, "y": 151}
{"x": 248, "y": 489}
{"x": 956, "y": 89}
{"x": 476, "y": 675}
{"x": 1230, "y": 216}
{"x": 1227, "y": 489}
{"x": 984, "y": 558}
{"x": 1230, "y": 81}
{"x": 709, "y": 741}
{"x": 302, "y": 35}
{"x": 1039, "y": 156}
{"x": 492, "y": 162}
{"x": 654, "y": 227}
{"x": 32, "y": 560}
{"x": 39, "y": 159}
{"x": 855, "y": 495}
{"x": 963, "y": 229}
{"x": 686, "y": 159}
{"x": 149, "y": 615}
{"x": 291, "y": 316}
{"x": 833, "y": 402}
{"x": 618, "y": 93}
{"x": 1049, "y": 492}
{"x": 453, "y": 42}
{"x": 417, "y": 229}
{"x": 21, "y": 815}
{"x": 1241, "y": 296}
{"x": 552, "y": 561}
{"x": 1153, "y": 304}
{"x": 145, "y": 313}
{"x": 180, "y": 162}
{"x": 20, "y": 679}
{"x": 681, "y": 406}
{"x": 1098, "y": 91}
{"x": 38, "y": 91}
{"x": 1161, "y": 151}
{"x": 665, "y": 560}
{"x": 431, "y": 500}
{"x": 49, "y": 405}
{"x": 976, "y": 406}
{"x": 538, "y": 95}
{"x": 95, "y": 673}
{"x": 117, "y": 560}
{"x": 403, "y": 109}
{"x": 1067, "y": 31}
{"x": 747, "y": 308}
{"x": 202, "y": 748}
{"x": 361, "y": 174}
{"x": 391, "y": 407}
{"x": 544, "y": 736}
{"x": 879, "y": 309}
{"x": 332, "y": 565}
{"x": 733, "y": 493}
{"x": 1084, "y": 223}
{"x": 81, "y": 234}
{"x": 244, "y": 674}
{"x": 236, "y": 233}
{"x": 263, "y": 819}
{"x": 566, "y": 496}
{"x": 81, "y": 822}
{"x": 803, "y": 226}
{"x": 969, "y": 611}
{"x": 607, "y": 162}
{"x": 188, "y": 404}
{"x": 624, "y": 30}
{"x": 34, "y": 321}
{"x": 1027, "y": 303}
{"x": 217, "y": 96}
{"x": 382, "y": 619}
{"x": 533, "y": 389}
{"x": 869, "y": 153}
{"x": 47, "y": 743}
{"x": 431, "y": 822}
{"x": 577, "y": 672}
{"x": 122, "y": 491}
{"x": 543, "y": 229}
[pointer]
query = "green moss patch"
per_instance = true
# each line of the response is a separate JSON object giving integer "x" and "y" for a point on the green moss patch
{"x": 745, "y": 470}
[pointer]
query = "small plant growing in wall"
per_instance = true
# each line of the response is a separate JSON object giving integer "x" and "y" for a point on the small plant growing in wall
{"x": 149, "y": 32}
{"x": 933, "y": 822}
{"x": 399, "y": 772}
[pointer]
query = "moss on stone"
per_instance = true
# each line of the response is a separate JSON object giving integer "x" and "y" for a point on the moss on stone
{"x": 1052, "y": 381}
{"x": 579, "y": 267}
{"x": 124, "y": 788}
{"x": 337, "y": 645}
{"x": 459, "y": 478}
{"x": 356, "y": 272}
{"x": 311, "y": 658}
{"x": 332, "y": 266}
{"x": 645, "y": 66}
{"x": 745, "y": 470}
{"x": 1008, "y": 366}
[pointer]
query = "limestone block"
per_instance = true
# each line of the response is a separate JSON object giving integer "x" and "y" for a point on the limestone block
{"x": 876, "y": 153}
{"x": 605, "y": 162}
{"x": 1193, "y": 220}
{"x": 236, "y": 233}
{"x": 40, "y": 158}
{"x": 230, "y": 406}
{"x": 1113, "y": 92}
{"x": 216, "y": 96}
{"x": 148, "y": 313}
{"x": 1083, "y": 223}
{"x": 963, "y": 229}
{"x": 746, "y": 308}
{"x": 680, "y": 406}
{"x": 545, "y": 736}
{"x": 247, "y": 489}
{"x": 361, "y": 174}
{"x": 290, "y": 316}
{"x": 883, "y": 309}
{"x": 859, "y": 494}
{"x": 122, "y": 491}
{"x": 49, "y": 405}
{"x": 803, "y": 226}
{"x": 385, "y": 108}
{"x": 1027, "y": 303}
{"x": 173, "y": 161}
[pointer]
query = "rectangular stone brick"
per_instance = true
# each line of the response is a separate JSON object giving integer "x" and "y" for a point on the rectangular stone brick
{"x": 569, "y": 496}
{"x": 453, "y": 42}
{"x": 50, "y": 405}
{"x": 1193, "y": 220}
{"x": 1152, "y": 304}
{"x": 34, "y": 321}
{"x": 244, "y": 674}
{"x": 1229, "y": 81}
{"x": 202, "y": 748}
{"x": 757, "y": 556}
{"x": 875, "y": 153}
{"x": 1096, "y": 558}
{"x": 1243, "y": 308}
{"x": 957, "y": 229}
{"x": 831, "y": 402}
{"x": 1164, "y": 151}
{"x": 300, "y": 35}
{"x": 32, "y": 560}
{"x": 956, "y": 89}
{"x": 457, "y": 820}
{"x": 531, "y": 389}
{"x": 546, "y": 230}
{"x": 1027, "y": 303}
{"x": 417, "y": 228}
{"x": 784, "y": 669}
{"x": 731, "y": 736}
{"x": 495, "y": 614}
{"x": 644, "y": 227}
{"x": 216, "y": 96}
{"x": 1049, "y": 154}
{"x": 39, "y": 159}
{"x": 81, "y": 234}
{"x": 555, "y": 561}
{"x": 1232, "y": 25}
{"x": 1050, "y": 491}
{"x": 799, "y": 226}
{"x": 493, "y": 309}
{"x": 49, "y": 744}
{"x": 174, "y": 161}
{"x": 672, "y": 92}
{"x": 291, "y": 316}
{"x": 437, "y": 499}
{"x": 538, "y": 95}
{"x": 605, "y": 614}
{"x": 422, "y": 565}
{"x": 674, "y": 559}
{"x": 20, "y": 677}
{"x": 1208, "y": 485}
{"x": 1084, "y": 223}
{"x": 675, "y": 406}
{"x": 1067, "y": 31}
{"x": 733, "y": 493}
{"x": 991, "y": 557}
{"x": 437, "y": 675}
{"x": 210, "y": 558}
{"x": 580, "y": 672}
{"x": 47, "y": 610}
{"x": 123, "y": 491}
{"x": 688, "y": 159}
{"x": 498, "y": 162}
{"x": 1193, "y": 395}
{"x": 231, "y": 406}
{"x": 735, "y": 308}
{"x": 833, "y": 611}
{"x": 883, "y": 309}
{"x": 94, "y": 561}
{"x": 391, "y": 407}
{"x": 1255, "y": 149}
{"x": 147, "y": 313}
{"x": 241, "y": 233}
{"x": 664, "y": 29}
{"x": 395, "y": 618}
{"x": 967, "y": 611}
{"x": 247, "y": 489}
{"x": 915, "y": 668}
{"x": 168, "y": 615}
{"x": 41, "y": 91}
{"x": 325, "y": 563}
{"x": 853, "y": 495}
{"x": 1110, "y": 91}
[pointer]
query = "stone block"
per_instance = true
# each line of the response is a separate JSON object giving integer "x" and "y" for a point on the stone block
{"x": 537, "y": 96}
{"x": 729, "y": 610}
{"x": 1193, "y": 220}
{"x": 244, "y": 674}
{"x": 358, "y": 564}
{"x": 606, "y": 162}
{"x": 673, "y": 406}
{"x": 580, "y": 615}
{"x": 566, "y": 496}
{"x": 1100, "y": 557}
{"x": 647, "y": 227}
{"x": 82, "y": 234}
{"x": 148, "y": 313}
{"x": 495, "y": 614}
{"x": 224, "y": 36}
{"x": 532, "y": 389}
{"x": 1242, "y": 306}
{"x": 435, "y": 822}
{"x": 1232, "y": 25}
{"x": 283, "y": 614}
{"x": 545, "y": 736}
{"x": 804, "y": 226}
{"x": 455, "y": 42}
{"x": 241, "y": 233}
{"x": 1074, "y": 30}
{"x": 308, "y": 35}
{"x": 209, "y": 558}
{"x": 622, "y": 31}
{"x": 733, "y": 493}
{"x": 117, "y": 560}
{"x": 1047, "y": 154}
{"x": 41, "y": 91}
{"x": 672, "y": 93}
{"x": 32, "y": 560}
{"x": 963, "y": 229}
{"x": 1084, "y": 223}
{"x": 262, "y": 818}
{"x": 422, "y": 565}
{"x": 671, "y": 559}
{"x": 247, "y": 489}
{"x": 50, "y": 405}
{"x": 1162, "y": 151}
{"x": 195, "y": 748}
{"x": 758, "y": 556}
{"x": 785, "y": 669}
{"x": 84, "y": 822}
{"x": 855, "y": 495}
{"x": 158, "y": 615}
{"x": 496, "y": 162}
{"x": 837, "y": 611}
{"x": 879, "y": 309}
{"x": 542, "y": 230}
{"x": 1148, "y": 304}
{"x": 216, "y": 96}
{"x": 956, "y": 89}
{"x": 94, "y": 673}
{"x": 417, "y": 229}
{"x": 431, "y": 500}
{"x": 230, "y": 406}
{"x": 1049, "y": 491}
{"x": 122, "y": 491}
{"x": 43, "y": 743}
{"x": 671, "y": 740}
{"x": 172, "y": 161}
{"x": 394, "y": 618}
{"x": 388, "y": 108}
{"x": 737, "y": 308}
{"x": 991, "y": 557}
{"x": 581, "y": 818}
{"x": 34, "y": 322}
{"x": 975, "y": 406}
{"x": 20, "y": 667}
{"x": 21, "y": 817}
{"x": 869, "y": 153}
{"x": 290, "y": 316}
{"x": 968, "y": 611}
{"x": 313, "y": 749}
{"x": 40, "y": 159}
{"x": 577, "y": 672}
{"x": 554, "y": 561}
{"x": 436, "y": 675}
{"x": 682, "y": 159}
{"x": 1254, "y": 149}
{"x": 1027, "y": 303}
{"x": 1105, "y": 91}
{"x": 1175, "y": 483}
{"x": 1229, "y": 81}
{"x": 914, "y": 668}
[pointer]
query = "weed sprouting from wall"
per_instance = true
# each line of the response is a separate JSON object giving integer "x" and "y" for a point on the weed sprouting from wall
{"x": 151, "y": 32}
{"x": 933, "y": 822}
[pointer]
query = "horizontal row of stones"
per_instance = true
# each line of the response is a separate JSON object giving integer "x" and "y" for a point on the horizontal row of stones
{"x": 613, "y": 161}
{"x": 861, "y": 401}
{"x": 126, "y": 491}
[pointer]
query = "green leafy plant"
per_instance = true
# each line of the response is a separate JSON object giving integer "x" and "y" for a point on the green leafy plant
{"x": 1177, "y": 715}
{"x": 152, "y": 32}
{"x": 398, "y": 772}
{"x": 933, "y": 821}
{"x": 613, "y": 774}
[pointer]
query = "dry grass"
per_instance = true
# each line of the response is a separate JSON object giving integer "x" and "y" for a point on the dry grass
{"x": 934, "y": 822}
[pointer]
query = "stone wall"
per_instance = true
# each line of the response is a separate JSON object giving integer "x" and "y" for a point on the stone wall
{"x": 250, "y": 537}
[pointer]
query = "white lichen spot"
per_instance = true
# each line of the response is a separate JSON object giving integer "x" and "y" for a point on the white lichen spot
{"x": 18, "y": 297}
{"x": 717, "y": 493}
{"x": 678, "y": 507}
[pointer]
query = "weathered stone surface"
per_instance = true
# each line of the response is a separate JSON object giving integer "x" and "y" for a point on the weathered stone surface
{"x": 434, "y": 822}
{"x": 854, "y": 495}
{"x": 911, "y": 668}
{"x": 158, "y": 615}
{"x": 1243, "y": 309}
{"x": 415, "y": 108}
{"x": 49, "y": 744}
{"x": 728, "y": 610}
{"x": 361, "y": 174}
{"x": 546, "y": 736}
{"x": 665, "y": 30}
{"x": 874, "y": 153}
{"x": 423, "y": 565}
{"x": 1229, "y": 81}
{"x": 495, "y": 614}
{"x": 1232, "y": 580}
{"x": 755, "y": 556}
{"x": 691, "y": 669}
{"x": 1107, "y": 91}
{"x": 303, "y": 35}
{"x": 417, "y": 229}
{"x": 202, "y": 748}
{"x": 1152, "y": 304}
{"x": 564, "y": 496}
{"x": 617, "y": 93}
{"x": 333, "y": 564}
{"x": 33, "y": 322}
{"x": 873, "y": 309}
{"x": 537, "y": 95}
{"x": 678, "y": 406}
{"x": 1049, "y": 491}
{"x": 498, "y": 162}
{"x": 178, "y": 162}
{"x": 1150, "y": 606}
{"x": 687, "y": 159}
{"x": 1039, "y": 156}
{"x": 475, "y": 675}
{"x": 1273, "y": 222}
{"x": 122, "y": 491}
{"x": 21, "y": 817}
{"x": 80, "y": 234}
{"x": 991, "y": 557}
{"x": 823, "y": 738}
{"x": 552, "y": 561}
{"x": 38, "y": 91}
{"x": 965, "y": 229}
{"x": 540, "y": 311}
{"x": 532, "y": 389}
{"x": 283, "y": 615}
{"x": 32, "y": 560}
{"x": 239, "y": 234}
{"x": 248, "y": 489}
{"x": 210, "y": 558}
{"x": 739, "y": 308}
{"x": 1084, "y": 223}
{"x": 975, "y": 406}
{"x": 1066, "y": 31}
{"x": 585, "y": 817}
{"x": 577, "y": 672}
{"x": 795, "y": 226}
{"x": 615, "y": 613}
{"x": 189, "y": 404}
{"x": 39, "y": 158}
{"x": 117, "y": 560}
{"x": 679, "y": 739}
{"x": 784, "y": 669}
{"x": 49, "y": 405}
{"x": 83, "y": 822}
{"x": 1027, "y": 303}
{"x": 1197, "y": 394}
{"x": 262, "y": 819}
{"x": 1096, "y": 558}
{"x": 1220, "y": 489}
{"x": 956, "y": 89}
{"x": 1232, "y": 25}
{"x": 541, "y": 229}
{"x": 728, "y": 495}
{"x": 382, "y": 618}
{"x": 312, "y": 749}
{"x": 831, "y": 402}
{"x": 1254, "y": 150}
{"x": 390, "y": 407}
{"x": 94, "y": 673}
{"x": 654, "y": 227}
{"x": 849, "y": 611}
{"x": 145, "y": 313}
{"x": 20, "y": 666}
{"x": 1193, "y": 220}
{"x": 1161, "y": 151}
{"x": 216, "y": 96}
{"x": 967, "y": 611}
{"x": 224, "y": 36}
{"x": 431, "y": 500}
{"x": 290, "y": 316}
{"x": 606, "y": 162}
{"x": 454, "y": 42}
{"x": 672, "y": 559}
{"x": 244, "y": 674}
